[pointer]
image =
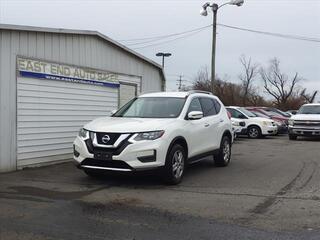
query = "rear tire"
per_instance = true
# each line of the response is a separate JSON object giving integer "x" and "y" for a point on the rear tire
{"x": 254, "y": 132}
{"x": 222, "y": 159}
{"x": 293, "y": 137}
{"x": 175, "y": 165}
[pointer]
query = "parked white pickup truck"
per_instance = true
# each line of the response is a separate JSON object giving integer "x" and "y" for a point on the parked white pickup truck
{"x": 306, "y": 122}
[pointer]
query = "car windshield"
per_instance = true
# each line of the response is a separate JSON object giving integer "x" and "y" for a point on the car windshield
{"x": 309, "y": 110}
{"x": 259, "y": 114}
{"x": 271, "y": 113}
{"x": 283, "y": 113}
{"x": 152, "y": 107}
{"x": 247, "y": 112}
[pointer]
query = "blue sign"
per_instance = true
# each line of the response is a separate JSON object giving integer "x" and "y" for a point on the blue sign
{"x": 67, "y": 79}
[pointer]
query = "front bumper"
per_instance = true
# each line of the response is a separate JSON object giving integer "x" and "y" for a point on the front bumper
{"x": 304, "y": 131}
{"x": 282, "y": 129}
{"x": 269, "y": 130}
{"x": 136, "y": 156}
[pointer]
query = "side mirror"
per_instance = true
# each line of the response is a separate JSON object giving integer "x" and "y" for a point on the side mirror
{"x": 294, "y": 112}
{"x": 195, "y": 115}
{"x": 113, "y": 111}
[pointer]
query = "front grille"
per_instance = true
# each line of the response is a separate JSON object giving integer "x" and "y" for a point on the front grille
{"x": 102, "y": 138}
{"x": 306, "y": 123}
{"x": 114, "y": 151}
{"x": 107, "y": 164}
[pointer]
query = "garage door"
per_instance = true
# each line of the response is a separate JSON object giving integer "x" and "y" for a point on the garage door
{"x": 50, "y": 113}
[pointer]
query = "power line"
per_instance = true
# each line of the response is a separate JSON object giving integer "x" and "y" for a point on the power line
{"x": 287, "y": 36}
{"x": 164, "y": 36}
{"x": 192, "y": 32}
{"x": 164, "y": 42}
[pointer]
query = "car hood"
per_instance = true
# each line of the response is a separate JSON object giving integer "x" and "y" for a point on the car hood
{"x": 127, "y": 125}
{"x": 260, "y": 119}
{"x": 306, "y": 117}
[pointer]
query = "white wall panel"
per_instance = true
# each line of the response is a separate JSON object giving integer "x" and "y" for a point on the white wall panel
{"x": 45, "y": 129}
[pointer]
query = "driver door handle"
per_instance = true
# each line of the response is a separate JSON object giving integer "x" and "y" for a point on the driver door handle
{"x": 206, "y": 124}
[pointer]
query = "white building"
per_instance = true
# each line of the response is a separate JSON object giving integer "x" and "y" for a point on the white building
{"x": 52, "y": 81}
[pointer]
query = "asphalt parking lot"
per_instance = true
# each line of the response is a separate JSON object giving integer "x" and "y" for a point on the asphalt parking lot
{"x": 271, "y": 190}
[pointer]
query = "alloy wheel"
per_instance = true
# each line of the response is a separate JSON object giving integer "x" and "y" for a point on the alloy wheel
{"x": 226, "y": 151}
{"x": 253, "y": 132}
{"x": 178, "y": 164}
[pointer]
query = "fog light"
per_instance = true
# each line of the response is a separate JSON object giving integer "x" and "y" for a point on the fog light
{"x": 75, "y": 152}
{"x": 148, "y": 156}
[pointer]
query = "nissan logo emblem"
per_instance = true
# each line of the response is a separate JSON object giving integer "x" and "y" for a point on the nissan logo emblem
{"x": 105, "y": 138}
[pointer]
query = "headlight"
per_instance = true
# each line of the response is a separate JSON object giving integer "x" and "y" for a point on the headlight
{"x": 235, "y": 124}
{"x": 148, "y": 135}
{"x": 291, "y": 122}
{"x": 84, "y": 134}
{"x": 267, "y": 123}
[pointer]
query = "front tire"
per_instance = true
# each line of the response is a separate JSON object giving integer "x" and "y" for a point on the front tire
{"x": 222, "y": 159}
{"x": 254, "y": 132}
{"x": 175, "y": 165}
{"x": 292, "y": 137}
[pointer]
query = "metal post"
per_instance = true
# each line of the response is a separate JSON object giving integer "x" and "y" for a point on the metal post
{"x": 180, "y": 83}
{"x": 163, "y": 62}
{"x": 214, "y": 35}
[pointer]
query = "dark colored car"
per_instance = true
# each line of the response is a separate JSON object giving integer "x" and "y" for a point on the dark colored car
{"x": 278, "y": 111}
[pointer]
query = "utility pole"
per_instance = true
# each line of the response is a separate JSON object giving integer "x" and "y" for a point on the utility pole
{"x": 215, "y": 7}
{"x": 180, "y": 80}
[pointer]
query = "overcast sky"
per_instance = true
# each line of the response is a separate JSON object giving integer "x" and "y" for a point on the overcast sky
{"x": 123, "y": 20}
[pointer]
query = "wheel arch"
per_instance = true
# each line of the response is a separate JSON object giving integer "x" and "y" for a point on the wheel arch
{"x": 227, "y": 133}
{"x": 254, "y": 125}
{"x": 179, "y": 140}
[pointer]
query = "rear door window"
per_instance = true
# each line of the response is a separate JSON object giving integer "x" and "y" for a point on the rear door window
{"x": 208, "y": 107}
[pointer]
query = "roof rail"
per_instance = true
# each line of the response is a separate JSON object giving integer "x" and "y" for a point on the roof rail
{"x": 199, "y": 91}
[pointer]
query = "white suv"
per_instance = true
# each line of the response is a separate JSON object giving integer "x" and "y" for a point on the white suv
{"x": 163, "y": 130}
{"x": 257, "y": 127}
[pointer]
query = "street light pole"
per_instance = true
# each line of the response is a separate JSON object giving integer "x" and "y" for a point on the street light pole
{"x": 163, "y": 61}
{"x": 163, "y": 55}
{"x": 215, "y": 7}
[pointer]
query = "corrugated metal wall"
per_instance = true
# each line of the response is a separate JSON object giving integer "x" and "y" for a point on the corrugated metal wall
{"x": 82, "y": 50}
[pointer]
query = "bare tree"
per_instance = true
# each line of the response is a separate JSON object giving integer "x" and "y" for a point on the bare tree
{"x": 278, "y": 84}
{"x": 229, "y": 93}
{"x": 202, "y": 80}
{"x": 251, "y": 70}
{"x": 307, "y": 97}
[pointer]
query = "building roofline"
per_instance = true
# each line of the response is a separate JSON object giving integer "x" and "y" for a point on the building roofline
{"x": 81, "y": 32}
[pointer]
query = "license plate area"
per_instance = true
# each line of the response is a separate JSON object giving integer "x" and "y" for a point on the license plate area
{"x": 103, "y": 156}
